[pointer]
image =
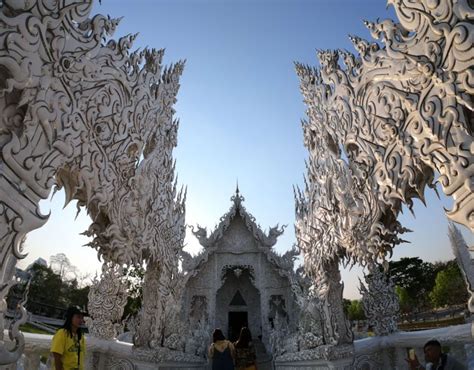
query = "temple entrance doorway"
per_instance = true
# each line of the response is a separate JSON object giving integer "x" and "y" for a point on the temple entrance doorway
{"x": 237, "y": 320}
{"x": 238, "y": 302}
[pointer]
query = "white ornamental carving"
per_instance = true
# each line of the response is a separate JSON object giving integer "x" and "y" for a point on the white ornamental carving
{"x": 78, "y": 109}
{"x": 378, "y": 131}
{"x": 338, "y": 215}
{"x": 379, "y": 300}
{"x": 106, "y": 301}
{"x": 266, "y": 239}
{"x": 145, "y": 221}
{"x": 333, "y": 216}
{"x": 163, "y": 210}
{"x": 237, "y": 270}
{"x": 401, "y": 109}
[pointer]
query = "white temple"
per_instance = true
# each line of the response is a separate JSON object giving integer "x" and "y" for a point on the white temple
{"x": 238, "y": 279}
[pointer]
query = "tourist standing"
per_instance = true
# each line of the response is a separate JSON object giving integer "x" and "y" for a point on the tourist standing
{"x": 69, "y": 346}
{"x": 221, "y": 352}
{"x": 245, "y": 357}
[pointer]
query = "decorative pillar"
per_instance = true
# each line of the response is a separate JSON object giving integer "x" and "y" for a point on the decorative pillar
{"x": 160, "y": 324}
{"x": 150, "y": 328}
{"x": 329, "y": 289}
{"x": 380, "y": 301}
{"x": 107, "y": 300}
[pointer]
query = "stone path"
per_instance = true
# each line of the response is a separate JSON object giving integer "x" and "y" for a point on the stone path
{"x": 264, "y": 359}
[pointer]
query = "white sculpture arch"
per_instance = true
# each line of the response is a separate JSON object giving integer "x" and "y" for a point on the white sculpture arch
{"x": 78, "y": 111}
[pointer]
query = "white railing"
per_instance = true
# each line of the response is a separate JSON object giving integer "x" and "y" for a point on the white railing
{"x": 387, "y": 352}
{"x": 100, "y": 355}
{"x": 390, "y": 352}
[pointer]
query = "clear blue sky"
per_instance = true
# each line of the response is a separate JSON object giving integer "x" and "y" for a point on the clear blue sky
{"x": 240, "y": 110}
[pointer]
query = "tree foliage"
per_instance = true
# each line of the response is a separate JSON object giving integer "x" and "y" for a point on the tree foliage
{"x": 134, "y": 277}
{"x": 449, "y": 288}
{"x": 404, "y": 299}
{"x": 416, "y": 277}
{"x": 46, "y": 287}
{"x": 355, "y": 310}
{"x": 423, "y": 285}
{"x": 48, "y": 294}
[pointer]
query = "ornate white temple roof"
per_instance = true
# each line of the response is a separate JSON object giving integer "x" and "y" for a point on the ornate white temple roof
{"x": 265, "y": 241}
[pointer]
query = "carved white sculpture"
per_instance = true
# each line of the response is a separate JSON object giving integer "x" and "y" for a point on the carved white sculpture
{"x": 338, "y": 214}
{"x": 402, "y": 112}
{"x": 137, "y": 220}
{"x": 163, "y": 229}
{"x": 398, "y": 114}
{"x": 379, "y": 300}
{"x": 329, "y": 223}
{"x": 106, "y": 301}
{"x": 77, "y": 110}
{"x": 463, "y": 257}
{"x": 149, "y": 222}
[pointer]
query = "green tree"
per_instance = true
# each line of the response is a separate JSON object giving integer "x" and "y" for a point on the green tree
{"x": 345, "y": 305}
{"x": 355, "y": 311}
{"x": 134, "y": 276}
{"x": 404, "y": 299}
{"x": 45, "y": 287}
{"x": 449, "y": 288}
{"x": 76, "y": 295}
{"x": 416, "y": 277}
{"x": 48, "y": 293}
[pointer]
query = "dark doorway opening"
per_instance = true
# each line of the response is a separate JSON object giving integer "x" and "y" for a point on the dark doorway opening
{"x": 237, "y": 320}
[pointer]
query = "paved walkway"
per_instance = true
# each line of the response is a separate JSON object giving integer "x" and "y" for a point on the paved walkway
{"x": 264, "y": 359}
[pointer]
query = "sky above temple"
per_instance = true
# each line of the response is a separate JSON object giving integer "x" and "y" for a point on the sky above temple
{"x": 240, "y": 109}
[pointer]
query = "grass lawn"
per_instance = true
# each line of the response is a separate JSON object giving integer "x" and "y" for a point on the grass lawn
{"x": 28, "y": 328}
{"x": 423, "y": 325}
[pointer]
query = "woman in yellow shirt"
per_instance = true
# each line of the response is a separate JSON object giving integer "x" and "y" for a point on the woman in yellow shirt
{"x": 69, "y": 346}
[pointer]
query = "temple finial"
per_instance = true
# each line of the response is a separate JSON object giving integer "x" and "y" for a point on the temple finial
{"x": 237, "y": 191}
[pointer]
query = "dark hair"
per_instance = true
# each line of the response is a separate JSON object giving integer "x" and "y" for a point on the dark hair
{"x": 217, "y": 335}
{"x": 245, "y": 338}
{"x": 433, "y": 343}
{"x": 71, "y": 311}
